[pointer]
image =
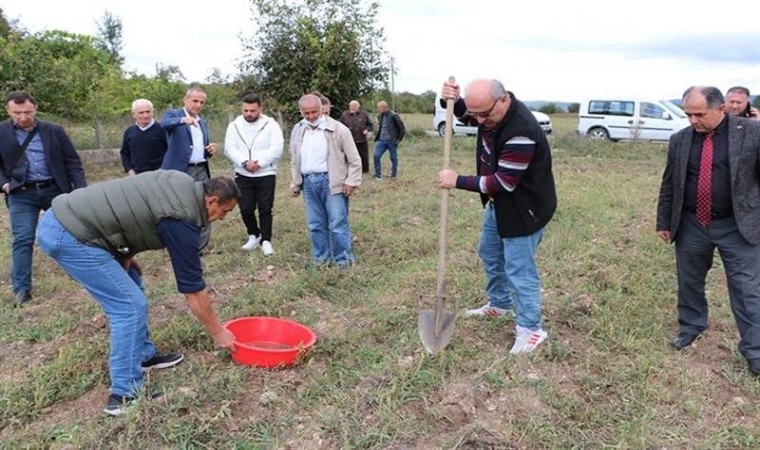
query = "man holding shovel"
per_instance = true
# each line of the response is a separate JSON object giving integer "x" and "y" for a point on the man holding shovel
{"x": 515, "y": 182}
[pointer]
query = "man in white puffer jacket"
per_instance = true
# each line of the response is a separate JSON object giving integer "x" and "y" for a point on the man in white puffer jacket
{"x": 254, "y": 144}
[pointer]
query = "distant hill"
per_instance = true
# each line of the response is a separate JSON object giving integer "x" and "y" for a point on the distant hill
{"x": 535, "y": 105}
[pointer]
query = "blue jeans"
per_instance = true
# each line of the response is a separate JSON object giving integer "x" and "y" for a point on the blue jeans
{"x": 380, "y": 148}
{"x": 117, "y": 292}
{"x": 24, "y": 206}
{"x": 510, "y": 266}
{"x": 327, "y": 219}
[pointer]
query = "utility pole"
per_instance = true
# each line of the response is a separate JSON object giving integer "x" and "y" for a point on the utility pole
{"x": 393, "y": 86}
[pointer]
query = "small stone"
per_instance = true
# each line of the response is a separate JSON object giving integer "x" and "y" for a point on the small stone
{"x": 532, "y": 376}
{"x": 186, "y": 392}
{"x": 270, "y": 268}
{"x": 267, "y": 398}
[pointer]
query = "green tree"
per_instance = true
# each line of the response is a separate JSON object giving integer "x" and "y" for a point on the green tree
{"x": 573, "y": 107}
{"x": 110, "y": 34}
{"x": 61, "y": 69}
{"x": 333, "y": 46}
{"x": 5, "y": 26}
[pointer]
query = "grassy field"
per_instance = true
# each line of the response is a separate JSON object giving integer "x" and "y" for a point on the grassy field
{"x": 605, "y": 378}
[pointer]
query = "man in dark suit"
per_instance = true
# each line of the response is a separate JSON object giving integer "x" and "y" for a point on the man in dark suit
{"x": 38, "y": 162}
{"x": 710, "y": 198}
{"x": 189, "y": 143}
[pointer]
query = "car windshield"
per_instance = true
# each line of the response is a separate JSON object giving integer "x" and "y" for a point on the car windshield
{"x": 675, "y": 109}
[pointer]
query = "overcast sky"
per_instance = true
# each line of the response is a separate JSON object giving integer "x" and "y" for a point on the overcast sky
{"x": 542, "y": 50}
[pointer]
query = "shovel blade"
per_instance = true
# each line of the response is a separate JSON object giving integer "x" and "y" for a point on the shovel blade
{"x": 434, "y": 339}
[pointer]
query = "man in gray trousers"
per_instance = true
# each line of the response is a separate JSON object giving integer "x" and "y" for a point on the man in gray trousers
{"x": 710, "y": 197}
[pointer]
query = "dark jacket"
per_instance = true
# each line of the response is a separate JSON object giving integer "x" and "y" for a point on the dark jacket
{"x": 357, "y": 122}
{"x": 397, "y": 128}
{"x": 532, "y": 204}
{"x": 61, "y": 157}
{"x": 180, "y": 140}
{"x": 744, "y": 170}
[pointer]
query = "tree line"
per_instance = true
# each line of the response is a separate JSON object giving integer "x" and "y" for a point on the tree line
{"x": 334, "y": 46}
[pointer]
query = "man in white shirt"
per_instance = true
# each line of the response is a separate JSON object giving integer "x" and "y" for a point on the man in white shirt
{"x": 326, "y": 166}
{"x": 254, "y": 144}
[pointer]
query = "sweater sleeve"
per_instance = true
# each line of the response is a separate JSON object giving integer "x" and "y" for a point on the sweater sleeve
{"x": 125, "y": 153}
{"x": 514, "y": 160}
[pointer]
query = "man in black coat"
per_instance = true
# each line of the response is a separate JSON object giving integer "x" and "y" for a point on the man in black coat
{"x": 37, "y": 162}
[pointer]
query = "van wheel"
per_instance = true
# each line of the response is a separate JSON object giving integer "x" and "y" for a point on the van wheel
{"x": 442, "y": 129}
{"x": 598, "y": 133}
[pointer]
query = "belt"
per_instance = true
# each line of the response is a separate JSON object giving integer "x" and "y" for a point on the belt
{"x": 198, "y": 164}
{"x": 313, "y": 174}
{"x": 38, "y": 185}
{"x": 716, "y": 215}
{"x": 721, "y": 215}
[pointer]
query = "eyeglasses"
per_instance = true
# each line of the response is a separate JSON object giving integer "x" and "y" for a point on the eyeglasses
{"x": 486, "y": 113}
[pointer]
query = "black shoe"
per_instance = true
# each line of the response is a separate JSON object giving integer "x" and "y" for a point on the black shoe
{"x": 162, "y": 361}
{"x": 21, "y": 297}
{"x": 754, "y": 366}
{"x": 118, "y": 405}
{"x": 683, "y": 340}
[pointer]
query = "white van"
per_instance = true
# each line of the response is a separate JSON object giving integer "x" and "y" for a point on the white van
{"x": 620, "y": 118}
{"x": 469, "y": 125}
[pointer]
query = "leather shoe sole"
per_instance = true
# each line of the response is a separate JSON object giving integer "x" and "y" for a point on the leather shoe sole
{"x": 754, "y": 366}
{"x": 21, "y": 297}
{"x": 683, "y": 340}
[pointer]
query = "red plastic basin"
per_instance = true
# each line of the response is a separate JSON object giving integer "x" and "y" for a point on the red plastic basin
{"x": 269, "y": 341}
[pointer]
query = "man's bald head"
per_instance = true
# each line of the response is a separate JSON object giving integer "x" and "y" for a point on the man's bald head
{"x": 487, "y": 100}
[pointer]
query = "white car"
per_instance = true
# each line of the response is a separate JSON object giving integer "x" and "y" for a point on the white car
{"x": 469, "y": 125}
{"x": 617, "y": 118}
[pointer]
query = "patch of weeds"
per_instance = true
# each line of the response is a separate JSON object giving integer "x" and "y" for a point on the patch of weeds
{"x": 75, "y": 370}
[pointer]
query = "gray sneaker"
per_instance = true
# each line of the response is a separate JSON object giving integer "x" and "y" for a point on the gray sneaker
{"x": 490, "y": 311}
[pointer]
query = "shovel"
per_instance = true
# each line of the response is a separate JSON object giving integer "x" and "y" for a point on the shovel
{"x": 436, "y": 326}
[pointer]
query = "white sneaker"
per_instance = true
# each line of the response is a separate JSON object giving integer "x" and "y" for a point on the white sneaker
{"x": 488, "y": 310}
{"x": 253, "y": 242}
{"x": 526, "y": 340}
{"x": 266, "y": 248}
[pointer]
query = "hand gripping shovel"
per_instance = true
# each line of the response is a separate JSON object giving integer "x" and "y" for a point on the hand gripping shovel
{"x": 436, "y": 326}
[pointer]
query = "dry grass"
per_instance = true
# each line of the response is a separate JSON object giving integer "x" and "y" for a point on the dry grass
{"x": 606, "y": 377}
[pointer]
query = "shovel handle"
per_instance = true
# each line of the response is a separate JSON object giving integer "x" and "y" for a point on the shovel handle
{"x": 442, "y": 237}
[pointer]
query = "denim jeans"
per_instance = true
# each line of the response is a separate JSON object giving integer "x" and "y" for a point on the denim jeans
{"x": 24, "y": 206}
{"x": 327, "y": 219}
{"x": 380, "y": 148}
{"x": 510, "y": 266}
{"x": 117, "y": 292}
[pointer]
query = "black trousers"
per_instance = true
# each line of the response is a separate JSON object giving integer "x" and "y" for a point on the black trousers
{"x": 257, "y": 193}
{"x": 695, "y": 246}
{"x": 363, "y": 148}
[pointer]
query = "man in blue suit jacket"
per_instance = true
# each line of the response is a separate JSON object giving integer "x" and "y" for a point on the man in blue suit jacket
{"x": 189, "y": 145}
{"x": 30, "y": 179}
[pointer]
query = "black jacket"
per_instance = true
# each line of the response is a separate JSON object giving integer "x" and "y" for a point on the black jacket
{"x": 61, "y": 157}
{"x": 397, "y": 128}
{"x": 531, "y": 205}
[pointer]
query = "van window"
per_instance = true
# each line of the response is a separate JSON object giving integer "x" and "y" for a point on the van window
{"x": 610, "y": 108}
{"x": 652, "y": 111}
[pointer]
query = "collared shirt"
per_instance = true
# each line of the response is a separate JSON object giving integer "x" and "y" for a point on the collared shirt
{"x": 37, "y": 168}
{"x": 199, "y": 153}
{"x": 385, "y": 130}
{"x": 314, "y": 149}
{"x": 152, "y": 121}
{"x": 721, "y": 175}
